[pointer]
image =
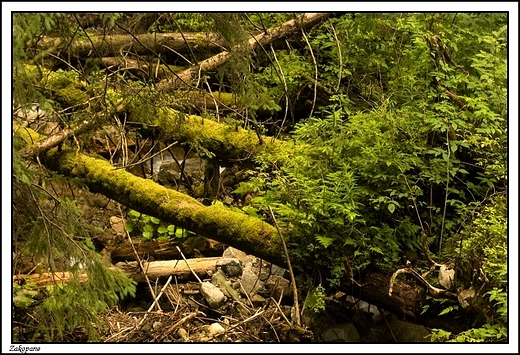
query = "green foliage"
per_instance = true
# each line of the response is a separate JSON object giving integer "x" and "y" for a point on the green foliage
{"x": 149, "y": 227}
{"x": 407, "y": 148}
{"x": 316, "y": 299}
{"x": 482, "y": 245}
{"x": 24, "y": 295}
{"x": 414, "y": 139}
{"x": 52, "y": 232}
{"x": 77, "y": 304}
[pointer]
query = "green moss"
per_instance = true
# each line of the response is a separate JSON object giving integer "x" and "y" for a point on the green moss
{"x": 28, "y": 135}
{"x": 71, "y": 96}
{"x": 66, "y": 86}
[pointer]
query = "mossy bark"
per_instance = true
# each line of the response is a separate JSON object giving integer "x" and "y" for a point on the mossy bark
{"x": 217, "y": 222}
{"x": 142, "y": 44}
{"x": 225, "y": 140}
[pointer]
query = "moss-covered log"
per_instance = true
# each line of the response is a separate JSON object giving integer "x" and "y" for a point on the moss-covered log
{"x": 217, "y": 222}
{"x": 143, "y": 44}
{"x": 226, "y": 141}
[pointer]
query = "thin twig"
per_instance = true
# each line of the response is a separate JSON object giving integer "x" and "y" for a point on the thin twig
{"x": 280, "y": 310}
{"x": 387, "y": 324}
{"x": 293, "y": 280}
{"x": 193, "y": 272}
{"x": 160, "y": 293}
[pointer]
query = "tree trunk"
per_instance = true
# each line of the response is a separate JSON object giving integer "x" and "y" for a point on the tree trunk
{"x": 154, "y": 270}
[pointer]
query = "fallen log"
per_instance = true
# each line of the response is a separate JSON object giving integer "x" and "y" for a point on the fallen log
{"x": 155, "y": 269}
{"x": 240, "y": 230}
{"x": 166, "y": 250}
{"x": 50, "y": 278}
{"x": 263, "y": 39}
{"x": 143, "y": 44}
{"x": 203, "y": 267}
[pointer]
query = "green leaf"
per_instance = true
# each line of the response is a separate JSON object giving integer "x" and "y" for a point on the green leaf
{"x": 149, "y": 228}
{"x": 155, "y": 220}
{"x": 162, "y": 229}
{"x": 391, "y": 207}
{"x": 325, "y": 241}
{"x": 134, "y": 213}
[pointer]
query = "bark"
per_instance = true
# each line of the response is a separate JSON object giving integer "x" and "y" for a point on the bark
{"x": 406, "y": 300}
{"x": 46, "y": 143}
{"x": 50, "y": 278}
{"x": 143, "y": 44}
{"x": 286, "y": 29}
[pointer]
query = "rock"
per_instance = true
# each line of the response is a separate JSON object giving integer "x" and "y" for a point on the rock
{"x": 258, "y": 266}
{"x": 279, "y": 271}
{"x": 275, "y": 285}
{"x": 340, "y": 333}
{"x": 231, "y": 266}
{"x": 404, "y": 332}
{"x": 212, "y": 294}
{"x": 231, "y": 252}
{"x": 169, "y": 173}
{"x": 117, "y": 224}
{"x": 215, "y": 329}
{"x": 250, "y": 282}
{"x": 183, "y": 334}
{"x": 446, "y": 276}
{"x": 228, "y": 200}
{"x": 219, "y": 278}
{"x": 257, "y": 300}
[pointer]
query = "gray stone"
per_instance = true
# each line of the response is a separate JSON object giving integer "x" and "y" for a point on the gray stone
{"x": 250, "y": 282}
{"x": 340, "y": 333}
{"x": 279, "y": 271}
{"x": 231, "y": 252}
{"x": 275, "y": 285}
{"x": 231, "y": 266}
{"x": 212, "y": 294}
{"x": 118, "y": 225}
{"x": 407, "y": 332}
